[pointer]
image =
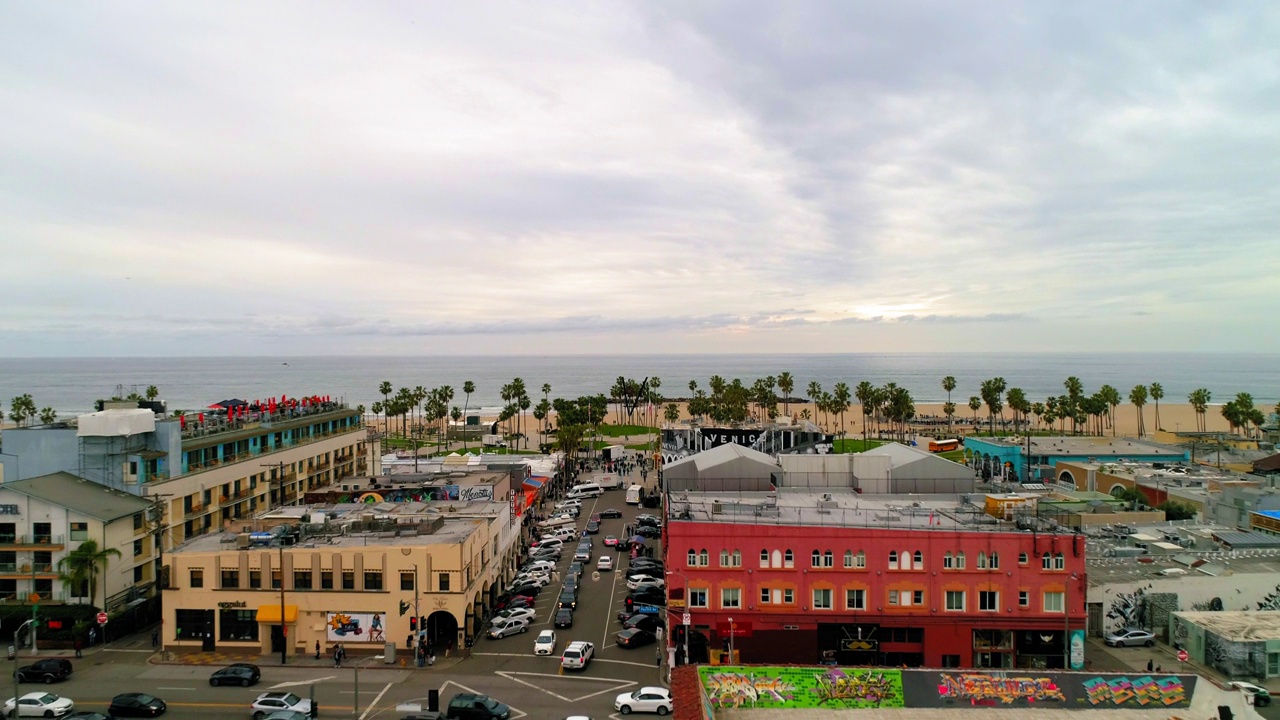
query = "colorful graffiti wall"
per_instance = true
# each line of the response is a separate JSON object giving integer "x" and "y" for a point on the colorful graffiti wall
{"x": 802, "y": 687}
{"x": 849, "y": 687}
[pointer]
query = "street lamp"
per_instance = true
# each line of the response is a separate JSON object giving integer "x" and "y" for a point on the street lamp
{"x": 730, "y": 639}
{"x": 355, "y": 704}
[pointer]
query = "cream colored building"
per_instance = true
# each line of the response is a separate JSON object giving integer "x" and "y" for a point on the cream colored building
{"x": 42, "y": 519}
{"x": 340, "y": 573}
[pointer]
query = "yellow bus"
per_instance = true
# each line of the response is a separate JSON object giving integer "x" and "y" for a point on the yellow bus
{"x": 937, "y": 446}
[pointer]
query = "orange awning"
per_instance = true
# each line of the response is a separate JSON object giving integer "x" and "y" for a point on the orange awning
{"x": 271, "y": 614}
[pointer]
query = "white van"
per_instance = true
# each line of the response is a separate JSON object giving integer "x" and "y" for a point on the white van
{"x": 609, "y": 482}
{"x": 585, "y": 490}
{"x": 633, "y": 495}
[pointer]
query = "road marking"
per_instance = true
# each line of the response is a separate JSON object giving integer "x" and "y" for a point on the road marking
{"x": 174, "y": 688}
{"x": 374, "y": 704}
{"x": 622, "y": 662}
{"x": 615, "y": 683}
{"x": 297, "y": 683}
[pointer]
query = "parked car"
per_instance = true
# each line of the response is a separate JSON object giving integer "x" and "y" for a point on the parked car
{"x": 545, "y": 643}
{"x": 47, "y": 671}
{"x": 527, "y": 590}
{"x": 644, "y": 519}
{"x": 87, "y": 715}
{"x": 610, "y": 513}
{"x": 242, "y": 674}
{"x": 287, "y": 715}
{"x": 635, "y": 637}
{"x": 635, "y": 581}
{"x": 545, "y": 566}
{"x": 40, "y": 704}
{"x": 649, "y": 565}
{"x": 518, "y": 613}
{"x": 576, "y": 655}
{"x": 1261, "y": 698}
{"x": 509, "y": 626}
{"x": 270, "y": 702}
{"x": 604, "y": 564}
{"x": 648, "y": 531}
{"x": 1130, "y": 637}
{"x": 519, "y": 601}
{"x": 471, "y": 706}
{"x": 136, "y": 705}
{"x": 564, "y": 618}
{"x": 646, "y": 699}
{"x": 539, "y": 579}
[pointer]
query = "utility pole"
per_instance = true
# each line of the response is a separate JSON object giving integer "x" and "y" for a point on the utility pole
{"x": 157, "y": 527}
{"x": 278, "y": 481}
{"x": 284, "y": 628}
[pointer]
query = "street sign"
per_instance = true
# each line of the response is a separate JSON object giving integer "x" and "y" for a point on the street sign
{"x": 686, "y": 619}
{"x": 1182, "y": 656}
{"x": 102, "y": 618}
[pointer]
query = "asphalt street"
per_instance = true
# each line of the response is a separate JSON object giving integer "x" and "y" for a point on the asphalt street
{"x": 506, "y": 669}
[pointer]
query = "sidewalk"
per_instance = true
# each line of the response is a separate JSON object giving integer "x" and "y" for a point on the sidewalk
{"x": 403, "y": 660}
{"x": 1105, "y": 659}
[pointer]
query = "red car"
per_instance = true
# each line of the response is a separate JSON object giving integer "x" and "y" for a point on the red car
{"x": 610, "y": 541}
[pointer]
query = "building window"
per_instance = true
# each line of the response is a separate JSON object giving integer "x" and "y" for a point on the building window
{"x": 255, "y": 579}
{"x": 137, "y": 576}
{"x": 275, "y": 579}
{"x": 1024, "y": 598}
{"x": 137, "y": 523}
{"x": 326, "y": 579}
{"x": 1053, "y": 602}
{"x": 816, "y": 559}
{"x": 959, "y": 561}
{"x": 904, "y": 560}
{"x": 789, "y": 559}
{"x": 348, "y": 579}
{"x": 137, "y": 548}
{"x": 1022, "y": 558}
{"x": 407, "y": 580}
{"x": 197, "y": 577}
{"x": 995, "y": 561}
{"x": 893, "y": 597}
{"x": 730, "y": 598}
{"x": 789, "y": 596}
{"x": 372, "y": 580}
{"x": 238, "y": 625}
{"x": 947, "y": 561}
{"x": 442, "y": 580}
{"x": 828, "y": 559}
{"x": 1059, "y": 562}
{"x": 192, "y": 624}
{"x": 955, "y": 600}
{"x": 764, "y": 558}
{"x": 43, "y": 587}
{"x": 917, "y": 560}
{"x": 704, "y": 558}
{"x": 764, "y": 596}
{"x": 988, "y": 601}
{"x": 301, "y": 579}
{"x": 730, "y": 559}
{"x": 855, "y": 599}
{"x": 80, "y": 531}
{"x": 950, "y": 661}
{"x": 822, "y": 599}
{"x": 697, "y": 597}
{"x": 693, "y": 558}
{"x": 231, "y": 579}
{"x": 917, "y": 597}
{"x": 893, "y": 559}
{"x": 982, "y": 561}
{"x": 1046, "y": 562}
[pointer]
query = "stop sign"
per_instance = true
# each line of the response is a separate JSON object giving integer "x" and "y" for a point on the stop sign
{"x": 102, "y": 618}
{"x": 1182, "y": 656}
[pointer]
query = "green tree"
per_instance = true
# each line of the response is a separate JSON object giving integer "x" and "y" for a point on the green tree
{"x": 48, "y": 415}
{"x": 1174, "y": 510}
{"x": 948, "y": 384}
{"x": 1075, "y": 394}
{"x": 866, "y": 394}
{"x": 975, "y": 403}
{"x": 468, "y": 387}
{"x": 949, "y": 409}
{"x": 1111, "y": 397}
{"x": 385, "y": 388}
{"x": 992, "y": 393}
{"x": 1157, "y": 394}
{"x": 152, "y": 392}
{"x": 540, "y": 414}
{"x": 672, "y": 413}
{"x": 840, "y": 397}
{"x": 81, "y": 567}
{"x": 1138, "y": 397}
{"x": 814, "y": 391}
{"x": 1199, "y": 399}
{"x": 786, "y": 384}
{"x": 22, "y": 410}
{"x": 1019, "y": 404}
{"x": 1038, "y": 409}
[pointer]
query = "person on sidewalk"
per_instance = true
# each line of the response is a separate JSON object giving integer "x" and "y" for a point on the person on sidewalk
{"x": 79, "y": 648}
{"x": 155, "y": 637}
{"x": 317, "y": 649}
{"x": 1150, "y": 664}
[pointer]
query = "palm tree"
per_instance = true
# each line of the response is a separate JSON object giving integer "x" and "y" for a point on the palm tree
{"x": 48, "y": 415}
{"x": 1038, "y": 410}
{"x": 468, "y": 387}
{"x": 1075, "y": 392}
{"x": 1111, "y": 397}
{"x": 1138, "y": 396}
{"x": 1017, "y": 400}
{"x": 152, "y": 392}
{"x": 841, "y": 397}
{"x": 974, "y": 404}
{"x": 786, "y": 384}
{"x": 948, "y": 409}
{"x": 992, "y": 392}
{"x": 385, "y": 389}
{"x": 1199, "y": 399}
{"x": 814, "y": 392}
{"x": 948, "y": 384}
{"x": 1157, "y": 394}
{"x": 22, "y": 408}
{"x": 81, "y": 566}
{"x": 672, "y": 413}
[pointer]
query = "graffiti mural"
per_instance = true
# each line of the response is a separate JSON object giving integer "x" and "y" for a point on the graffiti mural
{"x": 993, "y": 689}
{"x": 802, "y": 687}
{"x": 1165, "y": 691}
{"x": 1127, "y": 609}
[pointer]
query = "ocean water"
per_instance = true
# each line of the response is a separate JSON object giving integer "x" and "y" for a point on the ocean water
{"x": 71, "y": 385}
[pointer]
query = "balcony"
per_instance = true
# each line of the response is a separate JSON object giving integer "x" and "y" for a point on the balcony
{"x": 27, "y": 570}
{"x": 195, "y": 510}
{"x": 40, "y": 542}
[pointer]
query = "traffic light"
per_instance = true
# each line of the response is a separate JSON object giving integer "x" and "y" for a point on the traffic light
{"x": 630, "y": 602}
{"x": 404, "y": 608}
{"x": 413, "y": 623}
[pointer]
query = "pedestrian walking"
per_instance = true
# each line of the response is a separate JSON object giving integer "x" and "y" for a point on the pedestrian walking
{"x": 155, "y": 637}
{"x": 79, "y": 648}
{"x": 317, "y": 649}
{"x": 93, "y": 636}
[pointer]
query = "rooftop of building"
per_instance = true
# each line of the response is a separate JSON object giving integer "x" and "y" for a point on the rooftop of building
{"x": 1066, "y": 445}
{"x": 1238, "y": 626}
{"x": 223, "y": 426}
{"x": 83, "y": 496}
{"x": 339, "y": 525}
{"x": 833, "y": 507}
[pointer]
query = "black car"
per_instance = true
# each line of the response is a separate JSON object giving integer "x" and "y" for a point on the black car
{"x": 648, "y": 531}
{"x": 527, "y": 590}
{"x": 610, "y": 513}
{"x": 575, "y": 569}
{"x": 242, "y": 674}
{"x": 593, "y": 527}
{"x": 648, "y": 567}
{"x": 647, "y": 519}
{"x": 49, "y": 670}
{"x": 635, "y": 637}
{"x": 470, "y": 706}
{"x": 645, "y": 599}
{"x": 642, "y": 621}
{"x": 568, "y": 599}
{"x": 564, "y": 618}
{"x": 136, "y": 705}
{"x": 571, "y": 582}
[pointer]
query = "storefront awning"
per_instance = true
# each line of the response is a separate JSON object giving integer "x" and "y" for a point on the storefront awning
{"x": 271, "y": 614}
{"x": 534, "y": 482}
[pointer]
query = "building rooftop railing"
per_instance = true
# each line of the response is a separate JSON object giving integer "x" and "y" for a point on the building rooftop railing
{"x": 197, "y": 467}
{"x": 219, "y": 424}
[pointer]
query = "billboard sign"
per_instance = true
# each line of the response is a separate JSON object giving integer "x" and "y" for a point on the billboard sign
{"x": 355, "y": 627}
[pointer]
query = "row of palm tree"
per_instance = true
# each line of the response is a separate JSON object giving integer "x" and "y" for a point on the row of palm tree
{"x": 23, "y": 412}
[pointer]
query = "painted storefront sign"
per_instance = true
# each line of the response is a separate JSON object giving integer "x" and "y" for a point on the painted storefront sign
{"x": 802, "y": 687}
{"x": 355, "y": 627}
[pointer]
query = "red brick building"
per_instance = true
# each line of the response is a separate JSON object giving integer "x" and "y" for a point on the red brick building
{"x": 808, "y": 578}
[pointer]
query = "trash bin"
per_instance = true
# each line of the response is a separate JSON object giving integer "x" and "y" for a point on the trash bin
{"x": 388, "y": 653}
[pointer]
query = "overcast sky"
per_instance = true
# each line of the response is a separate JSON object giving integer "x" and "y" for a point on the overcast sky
{"x": 343, "y": 178}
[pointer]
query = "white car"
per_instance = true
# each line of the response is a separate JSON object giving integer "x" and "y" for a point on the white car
{"x": 541, "y": 580}
{"x": 546, "y": 643}
{"x": 569, "y": 504}
{"x": 636, "y": 580}
{"x": 1130, "y": 637}
{"x": 1261, "y": 698}
{"x": 513, "y": 613}
{"x": 604, "y": 564}
{"x": 268, "y": 703}
{"x": 508, "y": 626}
{"x": 577, "y": 654}
{"x": 540, "y": 566}
{"x": 40, "y": 704}
{"x": 646, "y": 699}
